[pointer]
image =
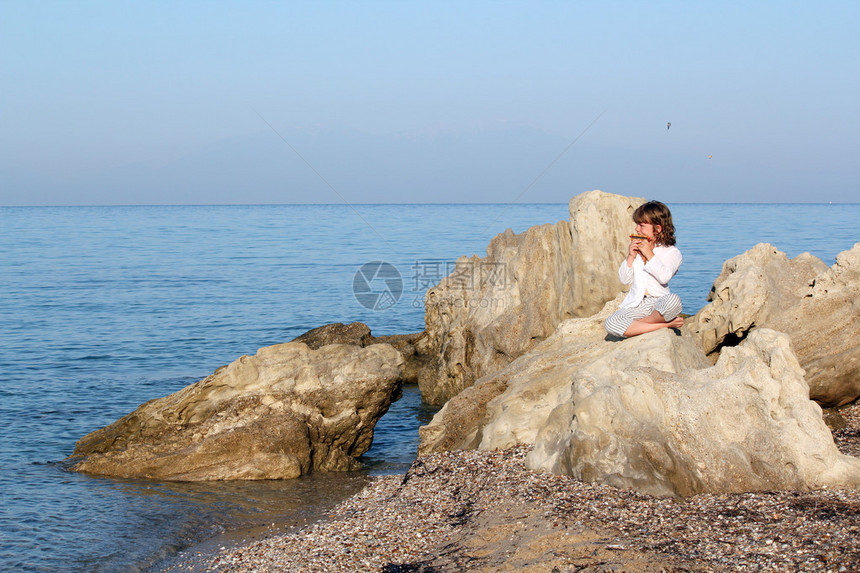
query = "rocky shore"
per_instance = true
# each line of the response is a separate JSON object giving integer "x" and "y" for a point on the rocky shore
{"x": 485, "y": 511}
{"x": 557, "y": 447}
{"x": 515, "y": 352}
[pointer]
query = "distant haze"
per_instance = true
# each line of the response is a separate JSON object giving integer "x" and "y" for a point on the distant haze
{"x": 428, "y": 102}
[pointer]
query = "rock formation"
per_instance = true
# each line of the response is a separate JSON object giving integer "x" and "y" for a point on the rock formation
{"x": 491, "y": 310}
{"x": 276, "y": 415}
{"x": 744, "y": 424}
{"x": 412, "y": 347}
{"x": 819, "y": 308}
{"x": 652, "y": 413}
{"x": 512, "y": 405}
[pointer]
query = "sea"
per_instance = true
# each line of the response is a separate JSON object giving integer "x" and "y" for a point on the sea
{"x": 104, "y": 308}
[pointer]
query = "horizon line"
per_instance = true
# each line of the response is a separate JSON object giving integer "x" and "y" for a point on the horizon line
{"x": 404, "y": 204}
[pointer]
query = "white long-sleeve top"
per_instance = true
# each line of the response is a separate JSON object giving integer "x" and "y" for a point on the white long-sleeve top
{"x": 652, "y": 277}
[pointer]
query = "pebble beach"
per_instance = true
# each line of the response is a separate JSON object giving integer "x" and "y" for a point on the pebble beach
{"x": 485, "y": 511}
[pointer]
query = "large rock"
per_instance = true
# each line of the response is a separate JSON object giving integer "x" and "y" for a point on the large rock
{"x": 819, "y": 308}
{"x": 491, "y": 310}
{"x": 744, "y": 424}
{"x": 752, "y": 287}
{"x": 413, "y": 346}
{"x": 652, "y": 413}
{"x": 276, "y": 415}
{"x": 513, "y": 405}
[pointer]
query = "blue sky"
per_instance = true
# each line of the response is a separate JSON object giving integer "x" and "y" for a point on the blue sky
{"x": 168, "y": 102}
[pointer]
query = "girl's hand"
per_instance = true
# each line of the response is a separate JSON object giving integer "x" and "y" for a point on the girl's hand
{"x": 632, "y": 251}
{"x": 645, "y": 249}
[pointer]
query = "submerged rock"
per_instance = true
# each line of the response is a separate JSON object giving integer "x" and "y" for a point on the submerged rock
{"x": 279, "y": 414}
{"x": 817, "y": 306}
{"x": 491, "y": 310}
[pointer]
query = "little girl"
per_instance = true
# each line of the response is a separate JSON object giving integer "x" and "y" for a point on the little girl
{"x": 649, "y": 265}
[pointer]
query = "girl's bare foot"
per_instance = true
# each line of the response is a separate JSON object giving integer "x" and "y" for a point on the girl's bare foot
{"x": 676, "y": 323}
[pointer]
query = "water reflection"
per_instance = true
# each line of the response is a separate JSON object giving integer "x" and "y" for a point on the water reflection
{"x": 235, "y": 511}
{"x": 395, "y": 438}
{"x": 161, "y": 518}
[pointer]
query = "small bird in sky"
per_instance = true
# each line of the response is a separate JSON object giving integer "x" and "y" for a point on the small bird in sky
{"x": 668, "y": 125}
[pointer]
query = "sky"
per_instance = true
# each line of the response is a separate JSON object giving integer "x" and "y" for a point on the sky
{"x": 256, "y": 102}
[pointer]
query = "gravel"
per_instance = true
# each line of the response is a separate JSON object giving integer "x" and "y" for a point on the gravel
{"x": 485, "y": 511}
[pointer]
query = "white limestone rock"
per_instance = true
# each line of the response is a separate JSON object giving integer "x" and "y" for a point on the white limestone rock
{"x": 652, "y": 413}
{"x": 817, "y": 306}
{"x": 744, "y": 424}
{"x": 493, "y": 309}
{"x": 512, "y": 405}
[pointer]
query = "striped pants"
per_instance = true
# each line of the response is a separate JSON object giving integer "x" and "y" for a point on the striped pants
{"x": 667, "y": 305}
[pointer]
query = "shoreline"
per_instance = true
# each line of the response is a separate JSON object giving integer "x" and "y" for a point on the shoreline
{"x": 117, "y": 524}
{"x": 484, "y": 511}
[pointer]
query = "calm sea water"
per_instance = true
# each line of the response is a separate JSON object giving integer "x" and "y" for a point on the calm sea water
{"x": 103, "y": 308}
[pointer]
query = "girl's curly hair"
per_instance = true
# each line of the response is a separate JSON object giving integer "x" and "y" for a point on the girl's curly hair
{"x": 656, "y": 213}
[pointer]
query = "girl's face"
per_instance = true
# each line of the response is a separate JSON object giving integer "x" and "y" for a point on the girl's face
{"x": 648, "y": 230}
